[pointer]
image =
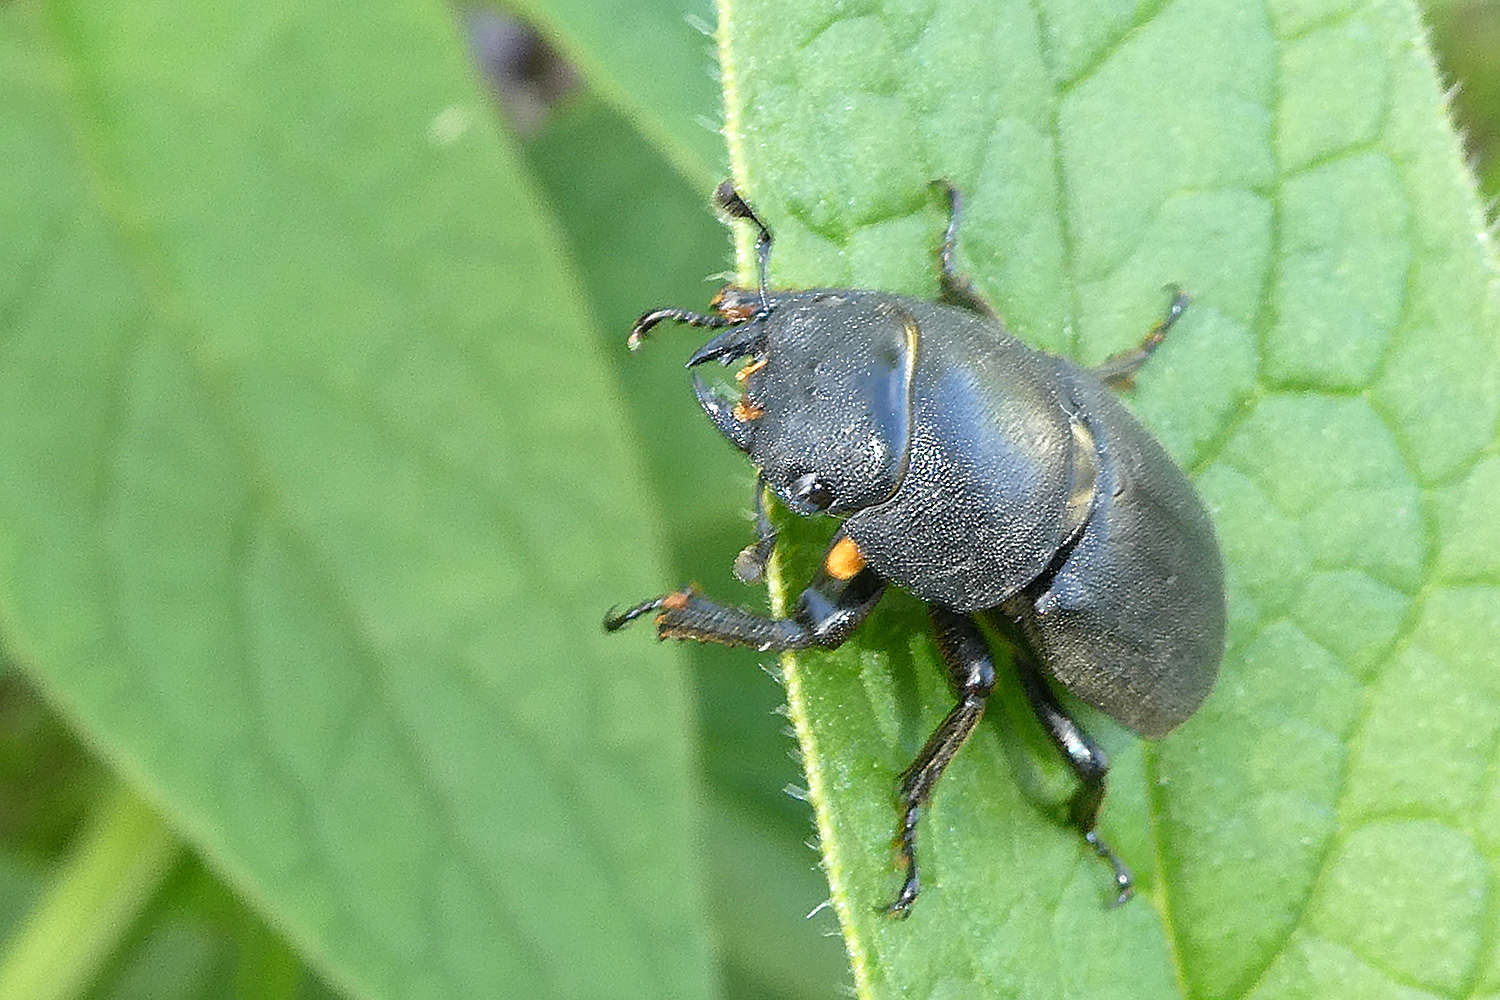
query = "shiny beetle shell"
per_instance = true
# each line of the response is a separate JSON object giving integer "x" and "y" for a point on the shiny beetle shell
{"x": 978, "y": 473}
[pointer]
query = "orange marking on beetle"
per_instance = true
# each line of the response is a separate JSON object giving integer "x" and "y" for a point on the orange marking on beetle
{"x": 844, "y": 559}
{"x": 736, "y": 311}
{"x": 677, "y": 601}
{"x": 746, "y": 411}
{"x": 749, "y": 370}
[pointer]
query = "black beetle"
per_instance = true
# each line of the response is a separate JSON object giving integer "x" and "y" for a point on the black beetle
{"x": 982, "y": 476}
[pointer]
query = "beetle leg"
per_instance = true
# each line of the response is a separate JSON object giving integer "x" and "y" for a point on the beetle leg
{"x": 956, "y": 287}
{"x": 1088, "y": 762}
{"x": 686, "y": 316}
{"x": 967, "y": 655}
{"x": 827, "y": 612}
{"x": 734, "y": 206}
{"x": 1119, "y": 371}
{"x": 750, "y": 564}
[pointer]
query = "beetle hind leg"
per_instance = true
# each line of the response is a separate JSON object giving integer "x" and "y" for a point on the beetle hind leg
{"x": 967, "y": 655}
{"x": 1088, "y": 763}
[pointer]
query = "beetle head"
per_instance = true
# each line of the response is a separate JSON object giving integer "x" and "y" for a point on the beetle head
{"x": 826, "y": 406}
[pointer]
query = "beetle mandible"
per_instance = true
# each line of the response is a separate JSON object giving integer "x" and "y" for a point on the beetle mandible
{"x": 990, "y": 480}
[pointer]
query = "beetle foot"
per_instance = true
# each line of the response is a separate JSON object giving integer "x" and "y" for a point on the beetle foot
{"x": 900, "y": 907}
{"x": 906, "y": 844}
{"x": 1124, "y": 883}
{"x": 676, "y": 600}
{"x": 750, "y": 564}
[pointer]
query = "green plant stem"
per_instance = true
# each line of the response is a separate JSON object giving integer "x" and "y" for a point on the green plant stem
{"x": 114, "y": 872}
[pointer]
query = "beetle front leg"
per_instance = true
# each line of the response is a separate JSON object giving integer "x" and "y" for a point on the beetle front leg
{"x": 967, "y": 655}
{"x": 1088, "y": 762}
{"x": 827, "y": 612}
{"x": 750, "y": 564}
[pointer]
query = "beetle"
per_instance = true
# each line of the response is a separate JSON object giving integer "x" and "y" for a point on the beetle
{"x": 994, "y": 482}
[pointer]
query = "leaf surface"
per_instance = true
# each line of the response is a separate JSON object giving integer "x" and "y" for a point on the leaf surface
{"x": 1324, "y": 825}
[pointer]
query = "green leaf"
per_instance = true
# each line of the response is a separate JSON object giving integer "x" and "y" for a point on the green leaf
{"x": 1324, "y": 826}
{"x": 312, "y": 493}
{"x": 654, "y": 61}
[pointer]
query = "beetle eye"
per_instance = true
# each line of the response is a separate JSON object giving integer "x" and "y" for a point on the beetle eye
{"x": 812, "y": 492}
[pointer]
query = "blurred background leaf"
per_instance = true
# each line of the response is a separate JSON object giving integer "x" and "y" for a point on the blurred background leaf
{"x": 653, "y": 61}
{"x": 315, "y": 490}
{"x": 137, "y": 173}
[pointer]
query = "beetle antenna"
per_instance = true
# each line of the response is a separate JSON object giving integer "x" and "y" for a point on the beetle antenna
{"x": 727, "y": 198}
